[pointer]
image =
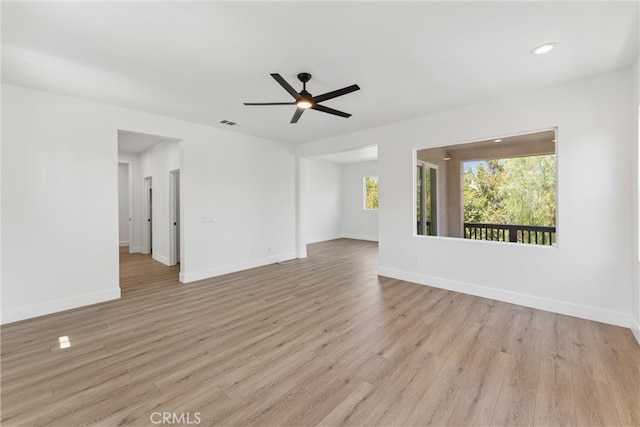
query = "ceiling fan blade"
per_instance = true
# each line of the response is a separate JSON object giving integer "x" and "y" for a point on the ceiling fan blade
{"x": 336, "y": 93}
{"x": 285, "y": 85}
{"x": 297, "y": 115}
{"x": 269, "y": 103}
{"x": 330, "y": 111}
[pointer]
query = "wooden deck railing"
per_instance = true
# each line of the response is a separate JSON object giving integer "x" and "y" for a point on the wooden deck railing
{"x": 532, "y": 234}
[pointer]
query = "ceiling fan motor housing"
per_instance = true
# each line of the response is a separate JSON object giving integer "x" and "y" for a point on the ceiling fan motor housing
{"x": 306, "y": 95}
{"x": 304, "y": 77}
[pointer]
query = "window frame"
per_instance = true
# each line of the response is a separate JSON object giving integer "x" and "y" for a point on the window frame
{"x": 452, "y": 150}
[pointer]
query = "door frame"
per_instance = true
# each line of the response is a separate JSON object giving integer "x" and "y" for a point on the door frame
{"x": 174, "y": 217}
{"x": 147, "y": 232}
{"x": 130, "y": 201}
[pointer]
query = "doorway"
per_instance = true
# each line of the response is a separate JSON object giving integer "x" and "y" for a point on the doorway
{"x": 174, "y": 217}
{"x": 147, "y": 247}
{"x": 332, "y": 194}
{"x": 125, "y": 205}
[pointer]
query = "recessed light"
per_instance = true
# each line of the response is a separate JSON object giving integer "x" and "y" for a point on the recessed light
{"x": 497, "y": 140}
{"x": 545, "y": 48}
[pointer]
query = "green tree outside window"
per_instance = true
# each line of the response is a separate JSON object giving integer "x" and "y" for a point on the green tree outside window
{"x": 371, "y": 192}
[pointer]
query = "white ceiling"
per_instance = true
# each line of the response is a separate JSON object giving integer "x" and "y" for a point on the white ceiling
{"x": 199, "y": 61}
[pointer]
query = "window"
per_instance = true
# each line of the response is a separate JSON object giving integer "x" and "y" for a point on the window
{"x": 370, "y": 192}
{"x": 501, "y": 189}
{"x": 511, "y": 199}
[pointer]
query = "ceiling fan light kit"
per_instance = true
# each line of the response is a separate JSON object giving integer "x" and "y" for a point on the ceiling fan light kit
{"x": 304, "y": 100}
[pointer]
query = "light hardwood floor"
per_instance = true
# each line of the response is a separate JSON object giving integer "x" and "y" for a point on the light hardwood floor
{"x": 140, "y": 272}
{"x": 318, "y": 341}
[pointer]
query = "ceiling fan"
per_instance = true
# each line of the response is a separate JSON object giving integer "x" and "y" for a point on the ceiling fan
{"x": 304, "y": 100}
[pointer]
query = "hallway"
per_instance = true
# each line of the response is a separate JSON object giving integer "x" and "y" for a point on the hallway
{"x": 141, "y": 273}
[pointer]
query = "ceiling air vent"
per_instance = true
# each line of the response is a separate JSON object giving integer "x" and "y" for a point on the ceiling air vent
{"x": 228, "y": 123}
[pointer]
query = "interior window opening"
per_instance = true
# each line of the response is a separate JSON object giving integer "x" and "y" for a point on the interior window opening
{"x": 503, "y": 189}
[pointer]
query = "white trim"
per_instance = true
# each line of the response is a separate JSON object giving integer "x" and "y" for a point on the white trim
{"x": 161, "y": 258}
{"x": 147, "y": 232}
{"x": 323, "y": 238}
{"x": 130, "y": 173}
{"x": 369, "y": 238}
{"x": 135, "y": 249}
{"x": 54, "y": 306}
{"x": 635, "y": 328}
{"x": 174, "y": 205}
{"x": 547, "y": 304}
{"x": 232, "y": 268}
{"x": 129, "y": 164}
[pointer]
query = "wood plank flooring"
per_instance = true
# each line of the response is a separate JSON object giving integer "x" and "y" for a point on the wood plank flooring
{"x": 317, "y": 341}
{"x": 140, "y": 272}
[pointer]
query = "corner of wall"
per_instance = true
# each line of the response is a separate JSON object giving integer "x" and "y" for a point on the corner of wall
{"x": 635, "y": 111}
{"x": 635, "y": 329}
{"x": 161, "y": 258}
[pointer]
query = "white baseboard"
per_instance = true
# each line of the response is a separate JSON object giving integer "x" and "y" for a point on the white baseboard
{"x": 547, "y": 304}
{"x": 319, "y": 239}
{"x": 124, "y": 243}
{"x": 635, "y": 328}
{"x": 360, "y": 237}
{"x": 160, "y": 258}
{"x": 54, "y": 306}
{"x": 342, "y": 236}
{"x": 232, "y": 268}
{"x": 135, "y": 249}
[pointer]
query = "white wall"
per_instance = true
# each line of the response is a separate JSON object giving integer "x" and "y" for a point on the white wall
{"x": 245, "y": 187}
{"x": 323, "y": 188}
{"x": 589, "y": 274}
{"x": 357, "y": 222}
{"x": 123, "y": 203}
{"x": 157, "y": 162}
{"x": 60, "y": 210}
{"x": 60, "y": 200}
